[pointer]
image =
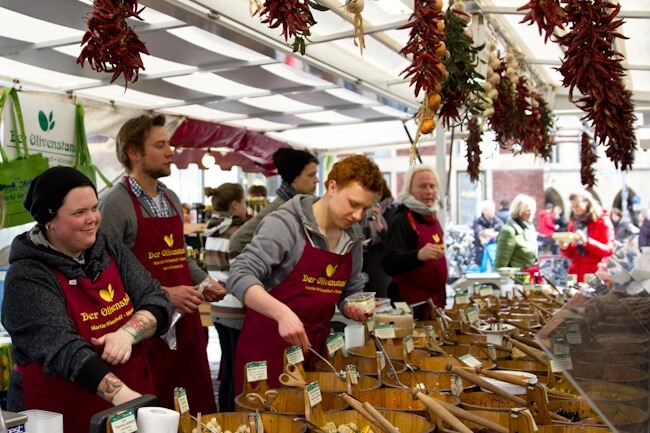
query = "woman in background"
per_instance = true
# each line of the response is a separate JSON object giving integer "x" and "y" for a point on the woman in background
{"x": 517, "y": 240}
{"x": 229, "y": 214}
{"x": 594, "y": 235}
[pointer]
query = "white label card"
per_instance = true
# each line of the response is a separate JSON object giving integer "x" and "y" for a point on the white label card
{"x": 295, "y": 355}
{"x": 486, "y": 291}
{"x": 431, "y": 332}
{"x": 402, "y": 306}
{"x": 183, "y": 404}
{"x": 382, "y": 360}
{"x": 456, "y": 385}
{"x": 124, "y": 422}
{"x": 561, "y": 363}
{"x": 313, "y": 391}
{"x": 472, "y": 315}
{"x": 352, "y": 371}
{"x": 470, "y": 361}
{"x": 462, "y": 299}
{"x": 561, "y": 347}
{"x": 408, "y": 342}
{"x": 573, "y": 335}
{"x": 370, "y": 323}
{"x": 335, "y": 342}
{"x": 385, "y": 331}
{"x": 492, "y": 351}
{"x": 256, "y": 371}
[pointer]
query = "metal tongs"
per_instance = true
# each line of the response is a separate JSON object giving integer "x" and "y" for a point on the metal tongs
{"x": 339, "y": 374}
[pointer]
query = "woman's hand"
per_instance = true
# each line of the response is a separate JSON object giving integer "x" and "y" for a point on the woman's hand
{"x": 185, "y": 298}
{"x": 580, "y": 237}
{"x": 355, "y": 313}
{"x": 292, "y": 331}
{"x": 117, "y": 346}
{"x": 214, "y": 292}
{"x": 429, "y": 252}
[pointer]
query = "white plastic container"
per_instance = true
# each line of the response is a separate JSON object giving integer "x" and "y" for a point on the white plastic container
{"x": 509, "y": 387}
{"x": 363, "y": 300}
{"x": 42, "y": 421}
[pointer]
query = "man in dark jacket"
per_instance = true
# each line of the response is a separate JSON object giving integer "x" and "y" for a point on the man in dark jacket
{"x": 487, "y": 220}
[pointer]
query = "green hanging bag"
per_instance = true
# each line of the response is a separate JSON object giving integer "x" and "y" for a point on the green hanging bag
{"x": 82, "y": 160}
{"x": 17, "y": 174}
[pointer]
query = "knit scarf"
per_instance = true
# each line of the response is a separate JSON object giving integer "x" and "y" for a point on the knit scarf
{"x": 418, "y": 207}
{"x": 286, "y": 191}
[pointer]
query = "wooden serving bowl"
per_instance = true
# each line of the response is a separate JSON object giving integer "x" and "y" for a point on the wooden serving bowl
{"x": 330, "y": 382}
{"x": 535, "y": 367}
{"x": 610, "y": 373}
{"x": 432, "y": 380}
{"x": 616, "y": 393}
{"x": 405, "y": 422}
{"x": 367, "y": 366}
{"x": 479, "y": 352}
{"x": 273, "y": 423}
{"x": 439, "y": 363}
{"x": 290, "y": 402}
{"x": 401, "y": 399}
{"x": 486, "y": 401}
{"x": 625, "y": 418}
{"x": 395, "y": 353}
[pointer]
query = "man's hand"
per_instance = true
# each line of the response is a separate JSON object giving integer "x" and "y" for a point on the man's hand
{"x": 293, "y": 332}
{"x": 214, "y": 292}
{"x": 117, "y": 346}
{"x": 185, "y": 298}
{"x": 430, "y": 251}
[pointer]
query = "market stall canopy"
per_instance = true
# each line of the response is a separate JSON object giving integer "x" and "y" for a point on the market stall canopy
{"x": 211, "y": 61}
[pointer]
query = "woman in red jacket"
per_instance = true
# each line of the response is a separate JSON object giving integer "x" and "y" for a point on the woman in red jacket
{"x": 594, "y": 235}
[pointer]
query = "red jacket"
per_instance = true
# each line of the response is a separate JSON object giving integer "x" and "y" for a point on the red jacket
{"x": 546, "y": 223}
{"x": 599, "y": 246}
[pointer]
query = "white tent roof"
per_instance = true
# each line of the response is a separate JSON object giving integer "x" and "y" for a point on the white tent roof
{"x": 210, "y": 60}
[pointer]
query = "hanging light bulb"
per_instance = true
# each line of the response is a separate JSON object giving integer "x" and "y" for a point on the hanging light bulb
{"x": 208, "y": 159}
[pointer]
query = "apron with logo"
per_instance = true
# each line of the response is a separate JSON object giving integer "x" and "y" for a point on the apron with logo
{"x": 96, "y": 308}
{"x": 428, "y": 280}
{"x": 311, "y": 290}
{"x": 160, "y": 247}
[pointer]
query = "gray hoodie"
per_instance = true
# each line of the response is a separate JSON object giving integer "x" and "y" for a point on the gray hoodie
{"x": 278, "y": 244}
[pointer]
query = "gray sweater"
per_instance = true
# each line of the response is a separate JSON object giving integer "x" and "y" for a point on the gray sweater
{"x": 34, "y": 309}
{"x": 278, "y": 245}
{"x": 120, "y": 222}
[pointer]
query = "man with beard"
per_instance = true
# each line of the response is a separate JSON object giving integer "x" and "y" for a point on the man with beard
{"x": 147, "y": 217}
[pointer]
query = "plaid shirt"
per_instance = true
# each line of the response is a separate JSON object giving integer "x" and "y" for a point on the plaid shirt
{"x": 139, "y": 192}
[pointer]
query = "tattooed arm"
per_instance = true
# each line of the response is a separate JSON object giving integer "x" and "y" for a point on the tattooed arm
{"x": 117, "y": 345}
{"x": 114, "y": 391}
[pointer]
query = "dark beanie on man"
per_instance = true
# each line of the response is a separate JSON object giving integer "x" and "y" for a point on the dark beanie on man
{"x": 48, "y": 189}
{"x": 290, "y": 162}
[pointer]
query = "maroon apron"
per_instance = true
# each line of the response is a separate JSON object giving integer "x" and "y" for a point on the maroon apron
{"x": 96, "y": 308}
{"x": 311, "y": 290}
{"x": 429, "y": 280}
{"x": 160, "y": 247}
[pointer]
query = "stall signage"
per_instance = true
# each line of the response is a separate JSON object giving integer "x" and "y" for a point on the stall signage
{"x": 313, "y": 391}
{"x": 183, "y": 403}
{"x": 561, "y": 363}
{"x": 385, "y": 331}
{"x": 334, "y": 343}
{"x": 408, "y": 342}
{"x": 352, "y": 371}
{"x": 123, "y": 422}
{"x": 256, "y": 371}
{"x": 295, "y": 355}
{"x": 370, "y": 323}
{"x": 472, "y": 315}
{"x": 470, "y": 361}
{"x": 456, "y": 385}
{"x": 462, "y": 299}
{"x": 382, "y": 360}
{"x": 49, "y": 128}
{"x": 561, "y": 347}
{"x": 431, "y": 332}
{"x": 486, "y": 291}
{"x": 573, "y": 335}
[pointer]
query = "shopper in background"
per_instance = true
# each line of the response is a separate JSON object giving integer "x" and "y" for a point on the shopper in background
{"x": 414, "y": 254}
{"x": 488, "y": 238}
{"x": 487, "y": 220}
{"x": 517, "y": 240}
{"x": 561, "y": 223}
{"x": 77, "y": 303}
{"x": 594, "y": 235}
{"x": 546, "y": 229}
{"x": 299, "y": 172}
{"x": 644, "y": 233}
{"x": 146, "y": 216}
{"x": 257, "y": 191}
{"x": 504, "y": 210}
{"x": 229, "y": 214}
{"x": 305, "y": 258}
{"x": 374, "y": 227}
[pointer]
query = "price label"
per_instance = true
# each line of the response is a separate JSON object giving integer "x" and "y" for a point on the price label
{"x": 472, "y": 315}
{"x": 470, "y": 361}
{"x": 486, "y": 291}
{"x": 462, "y": 299}
{"x": 456, "y": 385}
{"x": 561, "y": 363}
{"x": 183, "y": 404}
{"x": 441, "y": 323}
{"x": 385, "y": 331}
{"x": 492, "y": 351}
{"x": 352, "y": 371}
{"x": 561, "y": 347}
{"x": 431, "y": 333}
{"x": 573, "y": 335}
{"x": 124, "y": 422}
{"x": 408, "y": 342}
{"x": 463, "y": 316}
{"x": 382, "y": 360}
{"x": 335, "y": 342}
{"x": 510, "y": 296}
{"x": 256, "y": 371}
{"x": 403, "y": 306}
{"x": 370, "y": 323}
{"x": 295, "y": 355}
{"x": 313, "y": 391}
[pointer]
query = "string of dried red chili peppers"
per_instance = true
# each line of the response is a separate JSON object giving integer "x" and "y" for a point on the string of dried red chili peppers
{"x": 294, "y": 16}
{"x": 588, "y": 158}
{"x": 474, "y": 149}
{"x": 110, "y": 44}
{"x": 593, "y": 66}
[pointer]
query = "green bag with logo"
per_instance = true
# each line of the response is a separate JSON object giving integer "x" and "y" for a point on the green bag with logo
{"x": 82, "y": 160}
{"x": 17, "y": 174}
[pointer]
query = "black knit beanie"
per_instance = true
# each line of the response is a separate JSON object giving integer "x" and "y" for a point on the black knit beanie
{"x": 48, "y": 189}
{"x": 290, "y": 162}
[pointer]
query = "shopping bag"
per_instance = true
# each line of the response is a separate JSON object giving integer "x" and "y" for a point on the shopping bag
{"x": 17, "y": 174}
{"x": 83, "y": 162}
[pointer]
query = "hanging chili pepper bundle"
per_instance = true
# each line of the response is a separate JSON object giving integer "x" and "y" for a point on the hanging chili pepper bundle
{"x": 547, "y": 14}
{"x": 545, "y": 141}
{"x": 461, "y": 90}
{"x": 110, "y": 44}
{"x": 474, "y": 149}
{"x": 588, "y": 158}
{"x": 294, "y": 16}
